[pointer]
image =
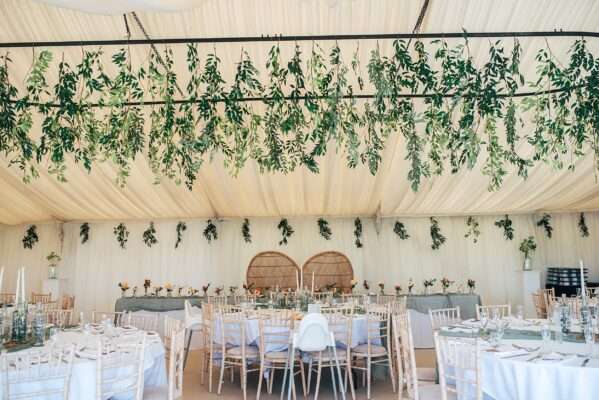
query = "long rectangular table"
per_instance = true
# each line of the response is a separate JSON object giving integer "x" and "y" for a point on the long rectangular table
{"x": 417, "y": 304}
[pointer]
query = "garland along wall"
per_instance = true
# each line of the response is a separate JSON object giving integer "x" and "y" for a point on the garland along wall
{"x": 93, "y": 269}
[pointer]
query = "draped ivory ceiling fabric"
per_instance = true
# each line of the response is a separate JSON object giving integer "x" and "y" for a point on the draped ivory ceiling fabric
{"x": 336, "y": 190}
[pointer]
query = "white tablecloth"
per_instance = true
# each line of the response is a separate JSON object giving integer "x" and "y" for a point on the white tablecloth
{"x": 83, "y": 379}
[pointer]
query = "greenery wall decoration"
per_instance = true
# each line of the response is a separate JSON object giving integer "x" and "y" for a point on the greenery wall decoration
{"x": 31, "y": 237}
{"x": 122, "y": 234}
{"x": 436, "y": 235}
{"x": 245, "y": 231}
{"x": 84, "y": 232}
{"x": 324, "y": 229}
{"x": 528, "y": 246}
{"x": 545, "y": 222}
{"x": 582, "y": 225}
{"x": 473, "y": 229}
{"x": 286, "y": 231}
{"x": 450, "y": 109}
{"x": 181, "y": 227}
{"x": 210, "y": 231}
{"x": 358, "y": 232}
{"x": 149, "y": 235}
{"x": 506, "y": 224}
{"x": 400, "y": 230}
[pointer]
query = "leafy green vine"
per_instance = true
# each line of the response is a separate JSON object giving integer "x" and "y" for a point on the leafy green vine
{"x": 324, "y": 229}
{"x": 122, "y": 234}
{"x": 506, "y": 224}
{"x": 436, "y": 236}
{"x": 84, "y": 232}
{"x": 286, "y": 231}
{"x": 149, "y": 235}
{"x": 210, "y": 232}
{"x": 545, "y": 222}
{"x": 245, "y": 231}
{"x": 582, "y": 226}
{"x": 31, "y": 237}
{"x": 400, "y": 230}
{"x": 473, "y": 229}
{"x": 358, "y": 232}
{"x": 181, "y": 227}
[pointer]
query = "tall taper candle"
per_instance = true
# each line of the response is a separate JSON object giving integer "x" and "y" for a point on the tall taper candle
{"x": 1, "y": 278}
{"x": 582, "y": 289}
{"x": 297, "y": 282}
{"x": 312, "y": 282}
{"x": 18, "y": 291}
{"x": 23, "y": 298}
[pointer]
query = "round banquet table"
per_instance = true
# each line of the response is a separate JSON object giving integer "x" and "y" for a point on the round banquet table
{"x": 83, "y": 378}
{"x": 512, "y": 373}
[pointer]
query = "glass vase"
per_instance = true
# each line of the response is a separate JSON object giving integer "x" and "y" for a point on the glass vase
{"x": 52, "y": 272}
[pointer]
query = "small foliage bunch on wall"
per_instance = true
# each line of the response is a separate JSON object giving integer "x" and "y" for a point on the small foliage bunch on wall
{"x": 506, "y": 224}
{"x": 545, "y": 222}
{"x": 122, "y": 234}
{"x": 582, "y": 226}
{"x": 149, "y": 235}
{"x": 436, "y": 236}
{"x": 286, "y": 231}
{"x": 31, "y": 237}
{"x": 210, "y": 232}
{"x": 324, "y": 229}
{"x": 400, "y": 230}
{"x": 181, "y": 227}
{"x": 473, "y": 229}
{"x": 245, "y": 231}
{"x": 84, "y": 232}
{"x": 358, "y": 232}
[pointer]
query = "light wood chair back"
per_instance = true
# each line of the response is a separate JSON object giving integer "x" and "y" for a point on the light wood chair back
{"x": 443, "y": 317}
{"x": 119, "y": 318}
{"x": 322, "y": 296}
{"x": 170, "y": 328}
{"x": 50, "y": 306}
{"x": 399, "y": 305}
{"x": 7, "y": 298}
{"x": 501, "y": 310}
{"x": 175, "y": 363}
{"x": 347, "y": 310}
{"x": 68, "y": 302}
{"x": 217, "y": 300}
{"x": 41, "y": 298}
{"x": 144, "y": 322}
{"x": 458, "y": 360}
{"x": 60, "y": 318}
{"x": 385, "y": 298}
{"x": 23, "y": 374}
{"x": 538, "y": 300}
{"x": 112, "y": 358}
{"x": 405, "y": 354}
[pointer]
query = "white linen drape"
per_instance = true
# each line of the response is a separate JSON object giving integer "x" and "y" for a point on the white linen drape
{"x": 94, "y": 269}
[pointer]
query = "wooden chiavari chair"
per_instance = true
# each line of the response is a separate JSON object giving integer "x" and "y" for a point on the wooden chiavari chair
{"x": 236, "y": 353}
{"x": 502, "y": 310}
{"x": 176, "y": 356}
{"x": 399, "y": 305}
{"x": 459, "y": 367}
{"x": 538, "y": 300}
{"x": 276, "y": 330}
{"x": 60, "y": 318}
{"x": 41, "y": 298}
{"x": 444, "y": 317}
{"x": 7, "y": 298}
{"x": 68, "y": 302}
{"x": 322, "y": 296}
{"x": 347, "y": 310}
{"x": 385, "y": 298}
{"x": 22, "y": 377}
{"x": 207, "y": 349}
{"x": 170, "y": 327}
{"x": 377, "y": 350}
{"x": 217, "y": 300}
{"x": 118, "y": 317}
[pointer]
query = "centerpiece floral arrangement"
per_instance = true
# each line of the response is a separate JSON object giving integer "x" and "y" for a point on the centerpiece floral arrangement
{"x": 397, "y": 289}
{"x": 471, "y": 285}
{"x": 232, "y": 290}
{"x": 445, "y": 284}
{"x": 410, "y": 285}
{"x": 147, "y": 286}
{"x": 366, "y": 285}
{"x": 248, "y": 288}
{"x": 134, "y": 291}
{"x": 382, "y": 287}
{"x": 205, "y": 289}
{"x": 353, "y": 283}
{"x": 124, "y": 287}
{"x": 157, "y": 290}
{"x": 169, "y": 289}
{"x": 428, "y": 283}
{"x": 218, "y": 290}
{"x": 193, "y": 291}
{"x": 180, "y": 290}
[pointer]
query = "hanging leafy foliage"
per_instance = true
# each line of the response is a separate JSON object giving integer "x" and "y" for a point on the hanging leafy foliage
{"x": 286, "y": 231}
{"x": 358, "y": 232}
{"x": 245, "y": 231}
{"x": 324, "y": 229}
{"x": 449, "y": 110}
{"x": 545, "y": 222}
{"x": 84, "y": 232}
{"x": 400, "y": 230}
{"x": 582, "y": 225}
{"x": 149, "y": 235}
{"x": 31, "y": 237}
{"x": 210, "y": 231}
{"x": 473, "y": 229}
{"x": 181, "y": 227}
{"x": 506, "y": 224}
{"x": 436, "y": 235}
{"x": 122, "y": 234}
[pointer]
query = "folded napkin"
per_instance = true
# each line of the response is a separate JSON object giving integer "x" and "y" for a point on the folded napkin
{"x": 554, "y": 358}
{"x": 461, "y": 329}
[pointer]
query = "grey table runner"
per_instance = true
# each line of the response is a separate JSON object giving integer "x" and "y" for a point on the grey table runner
{"x": 158, "y": 304}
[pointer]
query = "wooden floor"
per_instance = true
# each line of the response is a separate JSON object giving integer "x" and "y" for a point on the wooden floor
{"x": 381, "y": 389}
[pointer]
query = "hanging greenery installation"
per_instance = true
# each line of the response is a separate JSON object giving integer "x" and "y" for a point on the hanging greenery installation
{"x": 122, "y": 234}
{"x": 245, "y": 231}
{"x": 449, "y": 109}
{"x": 436, "y": 236}
{"x": 84, "y": 232}
{"x": 210, "y": 232}
{"x": 545, "y": 222}
{"x": 473, "y": 229}
{"x": 181, "y": 227}
{"x": 506, "y": 224}
{"x": 286, "y": 231}
{"x": 31, "y": 237}
{"x": 582, "y": 226}
{"x": 358, "y": 232}
{"x": 400, "y": 230}
{"x": 324, "y": 229}
{"x": 149, "y": 235}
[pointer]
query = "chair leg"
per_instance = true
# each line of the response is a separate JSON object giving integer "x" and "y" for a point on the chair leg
{"x": 341, "y": 386}
{"x": 390, "y": 360}
{"x": 301, "y": 364}
{"x": 222, "y": 375}
{"x": 210, "y": 362}
{"x": 260, "y": 379}
{"x": 333, "y": 379}
{"x": 271, "y": 379}
{"x": 309, "y": 373}
{"x": 285, "y": 378}
{"x": 368, "y": 377}
{"x": 243, "y": 379}
{"x": 187, "y": 347}
{"x": 318, "y": 377}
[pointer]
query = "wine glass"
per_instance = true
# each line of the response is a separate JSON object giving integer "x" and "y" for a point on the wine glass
{"x": 519, "y": 312}
{"x": 546, "y": 335}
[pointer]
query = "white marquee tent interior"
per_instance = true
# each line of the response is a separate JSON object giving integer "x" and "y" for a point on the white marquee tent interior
{"x": 338, "y": 193}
